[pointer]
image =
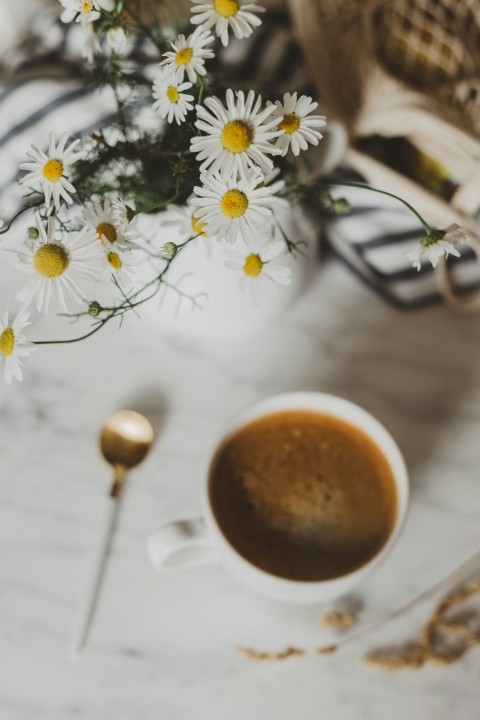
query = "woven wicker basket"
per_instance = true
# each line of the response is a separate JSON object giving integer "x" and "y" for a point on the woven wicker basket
{"x": 408, "y": 70}
{"x": 430, "y": 46}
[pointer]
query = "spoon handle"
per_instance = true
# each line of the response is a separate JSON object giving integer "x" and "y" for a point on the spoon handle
{"x": 86, "y": 609}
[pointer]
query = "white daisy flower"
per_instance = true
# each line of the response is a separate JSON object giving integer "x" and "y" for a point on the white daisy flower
{"x": 123, "y": 213}
{"x": 239, "y": 15}
{"x": 119, "y": 264}
{"x": 438, "y": 244}
{"x": 189, "y": 55}
{"x": 257, "y": 273}
{"x": 13, "y": 345}
{"x": 55, "y": 265}
{"x": 84, "y": 11}
{"x": 172, "y": 102}
{"x": 101, "y": 219}
{"x": 433, "y": 252}
{"x": 238, "y": 136}
{"x": 297, "y": 128}
{"x": 234, "y": 207}
{"x": 49, "y": 173}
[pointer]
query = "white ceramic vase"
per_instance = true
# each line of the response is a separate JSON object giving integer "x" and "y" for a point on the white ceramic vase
{"x": 221, "y": 308}
{"x": 203, "y": 297}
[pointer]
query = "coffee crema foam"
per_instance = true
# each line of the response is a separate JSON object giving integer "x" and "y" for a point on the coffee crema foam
{"x": 303, "y": 495}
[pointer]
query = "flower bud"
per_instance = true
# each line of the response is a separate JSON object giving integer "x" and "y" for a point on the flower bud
{"x": 169, "y": 250}
{"x": 340, "y": 205}
{"x": 130, "y": 213}
{"x": 94, "y": 309}
{"x": 32, "y": 233}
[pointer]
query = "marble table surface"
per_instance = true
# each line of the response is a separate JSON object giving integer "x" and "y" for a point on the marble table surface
{"x": 164, "y": 646}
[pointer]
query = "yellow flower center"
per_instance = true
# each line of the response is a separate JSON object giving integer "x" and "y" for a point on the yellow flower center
{"x": 198, "y": 226}
{"x": 53, "y": 170}
{"x": 106, "y": 230}
{"x": 184, "y": 56}
{"x": 172, "y": 94}
{"x": 114, "y": 260}
{"x": 87, "y": 6}
{"x": 253, "y": 265}
{"x": 51, "y": 260}
{"x": 7, "y": 342}
{"x": 226, "y": 8}
{"x": 290, "y": 123}
{"x": 234, "y": 203}
{"x": 237, "y": 136}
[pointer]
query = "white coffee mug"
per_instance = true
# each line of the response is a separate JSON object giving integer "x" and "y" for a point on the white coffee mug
{"x": 187, "y": 543}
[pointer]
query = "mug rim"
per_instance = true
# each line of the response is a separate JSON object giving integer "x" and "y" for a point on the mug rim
{"x": 322, "y": 403}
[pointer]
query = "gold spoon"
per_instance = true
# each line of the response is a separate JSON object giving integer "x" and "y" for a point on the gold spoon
{"x": 125, "y": 440}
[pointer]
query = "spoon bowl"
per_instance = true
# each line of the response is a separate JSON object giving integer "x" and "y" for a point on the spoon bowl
{"x": 126, "y": 439}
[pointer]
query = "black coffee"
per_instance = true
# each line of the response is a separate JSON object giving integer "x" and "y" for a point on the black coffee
{"x": 303, "y": 495}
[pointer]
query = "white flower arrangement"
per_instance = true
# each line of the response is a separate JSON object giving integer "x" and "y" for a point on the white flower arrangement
{"x": 212, "y": 160}
{"x": 55, "y": 266}
{"x": 189, "y": 55}
{"x": 13, "y": 345}
{"x": 257, "y": 273}
{"x": 238, "y": 137}
{"x": 85, "y": 11}
{"x": 298, "y": 128}
{"x": 171, "y": 100}
{"x": 240, "y": 16}
{"x": 233, "y": 208}
{"x": 438, "y": 244}
{"x": 112, "y": 233}
{"x": 49, "y": 172}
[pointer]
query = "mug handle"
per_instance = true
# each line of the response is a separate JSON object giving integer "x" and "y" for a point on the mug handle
{"x": 181, "y": 544}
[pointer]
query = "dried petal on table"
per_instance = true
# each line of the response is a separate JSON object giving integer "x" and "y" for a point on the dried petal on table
{"x": 443, "y": 640}
{"x": 326, "y": 650}
{"x": 339, "y": 620}
{"x": 251, "y": 654}
{"x": 409, "y": 658}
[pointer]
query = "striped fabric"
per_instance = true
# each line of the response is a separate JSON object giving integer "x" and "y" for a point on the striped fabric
{"x": 373, "y": 239}
{"x": 47, "y": 94}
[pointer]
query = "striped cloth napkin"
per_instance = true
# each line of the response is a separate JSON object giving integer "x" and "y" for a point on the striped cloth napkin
{"x": 47, "y": 94}
{"x": 373, "y": 238}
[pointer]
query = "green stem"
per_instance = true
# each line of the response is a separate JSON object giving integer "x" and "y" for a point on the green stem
{"x": 158, "y": 207}
{"x": 201, "y": 90}
{"x": 346, "y": 183}
{"x": 74, "y": 340}
{"x": 17, "y": 214}
{"x": 120, "y": 310}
